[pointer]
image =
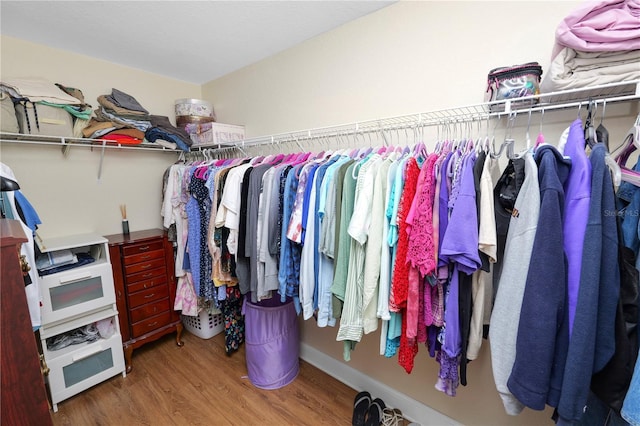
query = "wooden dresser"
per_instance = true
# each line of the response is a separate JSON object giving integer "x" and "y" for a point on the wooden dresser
{"x": 22, "y": 389}
{"x": 144, "y": 277}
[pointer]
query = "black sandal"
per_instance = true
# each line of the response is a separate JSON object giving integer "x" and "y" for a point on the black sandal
{"x": 375, "y": 412}
{"x": 360, "y": 407}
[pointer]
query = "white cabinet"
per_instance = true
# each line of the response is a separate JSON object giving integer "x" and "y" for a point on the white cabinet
{"x": 74, "y": 301}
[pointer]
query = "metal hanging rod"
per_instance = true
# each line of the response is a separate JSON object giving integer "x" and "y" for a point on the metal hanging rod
{"x": 609, "y": 93}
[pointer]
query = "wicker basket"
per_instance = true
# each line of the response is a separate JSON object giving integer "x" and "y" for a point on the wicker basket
{"x": 205, "y": 325}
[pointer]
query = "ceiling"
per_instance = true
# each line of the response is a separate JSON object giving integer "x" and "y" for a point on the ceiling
{"x": 193, "y": 41}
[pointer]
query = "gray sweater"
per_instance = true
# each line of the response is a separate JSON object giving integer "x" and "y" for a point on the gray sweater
{"x": 506, "y": 311}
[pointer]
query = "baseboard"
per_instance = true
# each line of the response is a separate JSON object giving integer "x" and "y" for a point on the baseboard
{"x": 413, "y": 410}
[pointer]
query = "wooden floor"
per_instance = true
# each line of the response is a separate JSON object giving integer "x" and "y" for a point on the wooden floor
{"x": 199, "y": 384}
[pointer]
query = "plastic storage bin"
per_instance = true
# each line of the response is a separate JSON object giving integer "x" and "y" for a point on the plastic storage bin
{"x": 205, "y": 325}
{"x": 272, "y": 344}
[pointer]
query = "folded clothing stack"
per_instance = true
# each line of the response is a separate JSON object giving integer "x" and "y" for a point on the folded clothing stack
{"x": 81, "y": 260}
{"x": 165, "y": 133}
{"x": 119, "y": 118}
{"x": 54, "y": 259}
{"x": 598, "y": 43}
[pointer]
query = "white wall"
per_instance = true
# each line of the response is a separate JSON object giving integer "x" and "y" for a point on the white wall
{"x": 66, "y": 192}
{"x": 409, "y": 57}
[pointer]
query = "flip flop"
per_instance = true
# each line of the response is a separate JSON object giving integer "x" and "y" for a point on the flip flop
{"x": 375, "y": 413}
{"x": 360, "y": 407}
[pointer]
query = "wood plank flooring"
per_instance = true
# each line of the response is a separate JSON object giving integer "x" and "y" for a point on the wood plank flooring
{"x": 199, "y": 384}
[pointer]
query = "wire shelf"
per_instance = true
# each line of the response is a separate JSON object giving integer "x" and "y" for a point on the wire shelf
{"x": 609, "y": 93}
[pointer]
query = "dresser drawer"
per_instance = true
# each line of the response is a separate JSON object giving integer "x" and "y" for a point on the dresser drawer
{"x": 89, "y": 365}
{"x": 141, "y": 257}
{"x": 149, "y": 310}
{"x": 76, "y": 292}
{"x": 150, "y": 324}
{"x": 143, "y": 266}
{"x": 147, "y": 296}
{"x": 143, "y": 285}
{"x": 134, "y": 249}
{"x": 146, "y": 275}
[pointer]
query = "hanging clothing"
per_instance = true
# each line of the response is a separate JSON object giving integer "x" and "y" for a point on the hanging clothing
{"x": 506, "y": 309}
{"x": 577, "y": 199}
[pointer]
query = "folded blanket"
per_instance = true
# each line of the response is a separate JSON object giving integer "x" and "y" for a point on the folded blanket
{"x": 601, "y": 26}
{"x": 36, "y": 89}
{"x": 572, "y": 69}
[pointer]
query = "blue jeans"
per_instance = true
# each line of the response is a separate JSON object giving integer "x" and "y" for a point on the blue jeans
{"x": 631, "y": 406}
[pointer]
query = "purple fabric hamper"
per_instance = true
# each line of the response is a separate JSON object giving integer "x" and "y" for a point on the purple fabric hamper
{"x": 272, "y": 344}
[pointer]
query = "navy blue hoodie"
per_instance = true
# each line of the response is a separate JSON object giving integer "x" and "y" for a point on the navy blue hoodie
{"x": 543, "y": 332}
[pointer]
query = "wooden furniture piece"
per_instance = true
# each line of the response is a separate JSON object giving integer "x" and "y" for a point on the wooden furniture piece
{"x": 22, "y": 389}
{"x": 75, "y": 300}
{"x": 143, "y": 272}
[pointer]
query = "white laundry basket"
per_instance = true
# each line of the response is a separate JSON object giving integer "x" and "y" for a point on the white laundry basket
{"x": 205, "y": 325}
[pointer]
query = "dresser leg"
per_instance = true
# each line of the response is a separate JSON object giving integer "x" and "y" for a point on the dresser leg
{"x": 179, "y": 328}
{"x": 128, "y": 354}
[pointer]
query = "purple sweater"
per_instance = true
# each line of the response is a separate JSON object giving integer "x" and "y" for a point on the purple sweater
{"x": 577, "y": 193}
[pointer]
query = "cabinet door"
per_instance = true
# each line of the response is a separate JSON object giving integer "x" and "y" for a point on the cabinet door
{"x": 77, "y": 370}
{"x": 76, "y": 292}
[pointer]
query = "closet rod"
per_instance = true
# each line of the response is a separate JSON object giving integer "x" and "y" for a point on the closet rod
{"x": 573, "y": 98}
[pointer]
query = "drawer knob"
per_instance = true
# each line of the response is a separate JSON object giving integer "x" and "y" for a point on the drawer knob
{"x": 148, "y": 296}
{"x": 147, "y": 266}
{"x": 144, "y": 248}
{"x": 145, "y": 257}
{"x": 148, "y": 275}
{"x": 153, "y": 324}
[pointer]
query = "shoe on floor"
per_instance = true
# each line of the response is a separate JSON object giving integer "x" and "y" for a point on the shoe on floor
{"x": 360, "y": 407}
{"x": 375, "y": 413}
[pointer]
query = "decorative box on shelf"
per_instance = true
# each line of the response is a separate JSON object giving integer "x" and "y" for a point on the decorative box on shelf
{"x": 213, "y": 134}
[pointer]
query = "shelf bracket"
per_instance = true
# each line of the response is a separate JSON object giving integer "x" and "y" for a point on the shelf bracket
{"x": 65, "y": 147}
{"x": 104, "y": 145}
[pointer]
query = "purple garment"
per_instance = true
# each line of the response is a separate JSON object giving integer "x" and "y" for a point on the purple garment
{"x": 452, "y": 341}
{"x": 577, "y": 193}
{"x": 443, "y": 210}
{"x": 460, "y": 247}
{"x": 460, "y": 242}
{"x": 601, "y": 26}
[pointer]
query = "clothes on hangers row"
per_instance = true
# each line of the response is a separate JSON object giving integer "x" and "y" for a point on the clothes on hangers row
{"x": 419, "y": 245}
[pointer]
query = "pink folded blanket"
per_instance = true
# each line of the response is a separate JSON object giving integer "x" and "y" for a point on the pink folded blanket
{"x": 601, "y": 26}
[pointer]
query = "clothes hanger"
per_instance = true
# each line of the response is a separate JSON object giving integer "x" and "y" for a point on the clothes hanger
{"x": 631, "y": 143}
{"x": 540, "y": 138}
{"x": 527, "y": 137}
{"x": 508, "y": 141}
{"x": 590, "y": 135}
{"x": 601, "y": 132}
